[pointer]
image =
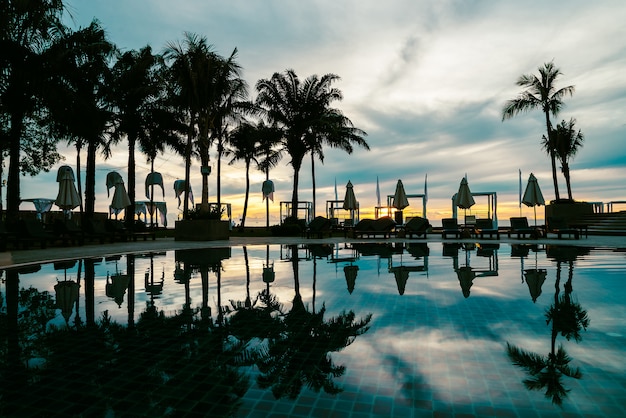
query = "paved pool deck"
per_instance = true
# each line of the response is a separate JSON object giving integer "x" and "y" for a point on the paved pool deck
{"x": 23, "y": 257}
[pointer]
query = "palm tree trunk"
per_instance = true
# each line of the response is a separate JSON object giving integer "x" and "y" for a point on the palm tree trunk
{"x": 13, "y": 179}
{"x": 267, "y": 202}
{"x": 313, "y": 177}
{"x": 187, "y": 168}
{"x": 294, "y": 194}
{"x": 78, "y": 182}
{"x": 90, "y": 181}
{"x": 245, "y": 200}
{"x": 129, "y": 214}
{"x": 552, "y": 156}
{"x": 567, "y": 179}
{"x": 220, "y": 151}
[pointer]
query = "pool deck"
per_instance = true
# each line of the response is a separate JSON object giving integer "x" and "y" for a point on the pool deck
{"x": 22, "y": 257}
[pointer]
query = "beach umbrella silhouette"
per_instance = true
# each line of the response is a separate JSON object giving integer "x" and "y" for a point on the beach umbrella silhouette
{"x": 116, "y": 286}
{"x": 66, "y": 296}
{"x": 351, "y": 272}
{"x": 534, "y": 281}
{"x": 532, "y": 195}
{"x": 400, "y": 201}
{"x": 464, "y": 198}
{"x": 67, "y": 198}
{"x": 152, "y": 179}
{"x": 267, "y": 188}
{"x": 466, "y": 278}
{"x": 401, "y": 274}
{"x": 120, "y": 199}
{"x": 349, "y": 201}
{"x": 179, "y": 190}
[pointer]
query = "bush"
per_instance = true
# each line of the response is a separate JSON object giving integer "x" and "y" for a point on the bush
{"x": 197, "y": 213}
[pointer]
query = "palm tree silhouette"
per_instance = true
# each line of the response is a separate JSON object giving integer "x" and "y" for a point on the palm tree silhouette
{"x": 299, "y": 355}
{"x": 540, "y": 93}
{"x": 567, "y": 143}
{"x": 568, "y": 318}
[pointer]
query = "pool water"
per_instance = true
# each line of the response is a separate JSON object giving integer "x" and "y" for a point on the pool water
{"x": 348, "y": 330}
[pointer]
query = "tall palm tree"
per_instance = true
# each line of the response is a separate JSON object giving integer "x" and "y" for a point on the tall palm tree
{"x": 244, "y": 147}
{"x": 80, "y": 107}
{"x": 540, "y": 93}
{"x": 567, "y": 143}
{"x": 231, "y": 94}
{"x": 135, "y": 91}
{"x": 302, "y": 111}
{"x": 203, "y": 85}
{"x": 27, "y": 29}
{"x": 336, "y": 131}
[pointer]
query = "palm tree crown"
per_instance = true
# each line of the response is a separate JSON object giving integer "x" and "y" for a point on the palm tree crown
{"x": 540, "y": 93}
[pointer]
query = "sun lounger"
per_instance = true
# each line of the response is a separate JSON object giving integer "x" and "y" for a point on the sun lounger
{"x": 319, "y": 226}
{"x": 95, "y": 229}
{"x": 374, "y": 227}
{"x": 450, "y": 227}
{"x": 485, "y": 227}
{"x": 68, "y": 231}
{"x": 32, "y": 230}
{"x": 559, "y": 227}
{"x": 142, "y": 230}
{"x": 520, "y": 227}
{"x": 417, "y": 226}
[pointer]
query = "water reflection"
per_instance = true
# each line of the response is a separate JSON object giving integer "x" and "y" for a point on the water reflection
{"x": 269, "y": 330}
{"x": 567, "y": 318}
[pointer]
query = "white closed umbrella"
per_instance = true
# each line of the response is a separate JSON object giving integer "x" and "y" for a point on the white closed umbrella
{"x": 349, "y": 201}
{"x": 67, "y": 198}
{"x": 120, "y": 199}
{"x": 532, "y": 195}
{"x": 400, "y": 201}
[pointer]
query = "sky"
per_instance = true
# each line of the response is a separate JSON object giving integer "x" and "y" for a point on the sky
{"x": 427, "y": 81}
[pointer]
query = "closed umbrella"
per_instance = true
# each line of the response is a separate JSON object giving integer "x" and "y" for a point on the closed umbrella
{"x": 351, "y": 272}
{"x": 532, "y": 195}
{"x": 464, "y": 198}
{"x": 267, "y": 188}
{"x": 152, "y": 179}
{"x": 349, "y": 201}
{"x": 120, "y": 197}
{"x": 466, "y": 278}
{"x": 534, "y": 280}
{"x": 401, "y": 273}
{"x": 179, "y": 189}
{"x": 400, "y": 201}
{"x": 68, "y": 197}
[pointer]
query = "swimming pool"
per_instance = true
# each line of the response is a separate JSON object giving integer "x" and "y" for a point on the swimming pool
{"x": 350, "y": 330}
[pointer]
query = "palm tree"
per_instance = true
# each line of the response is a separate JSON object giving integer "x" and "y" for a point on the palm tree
{"x": 302, "y": 111}
{"x": 135, "y": 91}
{"x": 269, "y": 139}
{"x": 540, "y": 93}
{"x": 27, "y": 29}
{"x": 245, "y": 147}
{"x": 231, "y": 93}
{"x": 203, "y": 84}
{"x": 567, "y": 143}
{"x": 80, "y": 108}
{"x": 336, "y": 131}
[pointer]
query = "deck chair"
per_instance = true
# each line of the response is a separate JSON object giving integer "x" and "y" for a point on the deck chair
{"x": 450, "y": 227}
{"x": 374, "y": 227}
{"x": 32, "y": 230}
{"x": 417, "y": 226}
{"x": 485, "y": 227}
{"x": 319, "y": 226}
{"x": 520, "y": 227}
{"x": 559, "y": 227}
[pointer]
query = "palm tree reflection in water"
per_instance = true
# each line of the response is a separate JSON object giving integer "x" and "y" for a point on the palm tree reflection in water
{"x": 568, "y": 318}
{"x": 298, "y": 349}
